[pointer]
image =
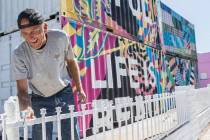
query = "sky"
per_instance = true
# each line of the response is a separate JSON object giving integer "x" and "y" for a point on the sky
{"x": 198, "y": 13}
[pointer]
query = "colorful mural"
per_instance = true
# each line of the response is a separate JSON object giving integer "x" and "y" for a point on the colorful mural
{"x": 180, "y": 72}
{"x": 101, "y": 54}
{"x": 115, "y": 44}
{"x": 133, "y": 19}
{"x": 112, "y": 66}
{"x": 95, "y": 47}
{"x": 178, "y": 33}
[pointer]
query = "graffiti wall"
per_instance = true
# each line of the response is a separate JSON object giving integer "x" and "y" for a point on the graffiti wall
{"x": 178, "y": 33}
{"x": 113, "y": 66}
{"x": 133, "y": 19}
{"x": 180, "y": 72}
{"x": 115, "y": 42}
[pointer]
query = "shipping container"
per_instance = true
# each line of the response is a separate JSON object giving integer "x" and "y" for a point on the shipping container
{"x": 113, "y": 61}
{"x": 178, "y": 33}
{"x": 177, "y": 36}
{"x": 9, "y": 10}
{"x": 133, "y": 19}
{"x": 156, "y": 71}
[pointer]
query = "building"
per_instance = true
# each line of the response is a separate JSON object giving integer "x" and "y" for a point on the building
{"x": 203, "y": 69}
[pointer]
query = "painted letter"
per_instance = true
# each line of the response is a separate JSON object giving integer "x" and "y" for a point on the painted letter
{"x": 120, "y": 71}
{"x": 96, "y": 83}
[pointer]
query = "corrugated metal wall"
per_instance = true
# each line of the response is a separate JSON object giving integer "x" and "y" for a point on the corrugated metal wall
{"x": 133, "y": 19}
{"x": 9, "y": 10}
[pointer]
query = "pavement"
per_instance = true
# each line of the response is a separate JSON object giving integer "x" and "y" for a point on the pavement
{"x": 205, "y": 134}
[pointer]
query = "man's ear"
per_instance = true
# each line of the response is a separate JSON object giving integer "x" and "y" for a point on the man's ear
{"x": 45, "y": 27}
{"x": 21, "y": 35}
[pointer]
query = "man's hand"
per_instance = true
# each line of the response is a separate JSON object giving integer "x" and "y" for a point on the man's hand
{"x": 82, "y": 97}
{"x": 28, "y": 113}
{"x": 73, "y": 70}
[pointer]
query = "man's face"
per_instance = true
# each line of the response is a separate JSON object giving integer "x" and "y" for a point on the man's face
{"x": 34, "y": 35}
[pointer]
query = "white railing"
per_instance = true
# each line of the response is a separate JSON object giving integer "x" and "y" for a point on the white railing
{"x": 198, "y": 106}
{"x": 124, "y": 118}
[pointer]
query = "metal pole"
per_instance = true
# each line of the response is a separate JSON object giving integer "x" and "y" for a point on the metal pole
{"x": 10, "y": 62}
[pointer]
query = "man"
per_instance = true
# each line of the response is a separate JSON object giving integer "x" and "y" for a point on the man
{"x": 41, "y": 62}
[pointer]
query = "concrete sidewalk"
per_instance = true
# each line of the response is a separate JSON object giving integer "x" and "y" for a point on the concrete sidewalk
{"x": 205, "y": 135}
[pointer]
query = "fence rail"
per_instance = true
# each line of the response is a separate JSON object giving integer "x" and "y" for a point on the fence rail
{"x": 125, "y": 118}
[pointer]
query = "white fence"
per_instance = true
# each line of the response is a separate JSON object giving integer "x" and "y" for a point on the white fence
{"x": 152, "y": 117}
{"x": 198, "y": 106}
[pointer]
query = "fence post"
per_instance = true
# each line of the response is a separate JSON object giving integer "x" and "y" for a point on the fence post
{"x": 83, "y": 107}
{"x": 11, "y": 108}
{"x": 58, "y": 111}
{"x": 112, "y": 118}
{"x": 131, "y": 105}
{"x": 179, "y": 105}
{"x": 71, "y": 110}
{"x": 95, "y": 119}
{"x": 4, "y": 136}
{"x": 43, "y": 114}
{"x": 25, "y": 127}
{"x": 156, "y": 111}
{"x": 136, "y": 117}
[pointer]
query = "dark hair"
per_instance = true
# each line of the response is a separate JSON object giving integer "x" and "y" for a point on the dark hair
{"x": 33, "y": 16}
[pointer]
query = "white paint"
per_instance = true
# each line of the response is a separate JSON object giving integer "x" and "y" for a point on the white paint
{"x": 120, "y": 71}
{"x": 96, "y": 83}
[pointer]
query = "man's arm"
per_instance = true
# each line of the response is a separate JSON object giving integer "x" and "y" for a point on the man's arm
{"x": 74, "y": 73}
{"x": 24, "y": 100}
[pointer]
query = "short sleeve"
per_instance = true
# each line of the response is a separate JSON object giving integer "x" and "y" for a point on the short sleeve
{"x": 69, "y": 54}
{"x": 18, "y": 68}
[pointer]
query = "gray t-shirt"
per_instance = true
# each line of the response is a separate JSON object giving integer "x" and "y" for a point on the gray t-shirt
{"x": 45, "y": 69}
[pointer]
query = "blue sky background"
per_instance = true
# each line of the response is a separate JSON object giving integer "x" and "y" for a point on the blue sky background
{"x": 198, "y": 13}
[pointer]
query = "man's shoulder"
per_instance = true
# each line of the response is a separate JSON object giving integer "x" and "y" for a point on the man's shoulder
{"x": 20, "y": 49}
{"x": 57, "y": 33}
